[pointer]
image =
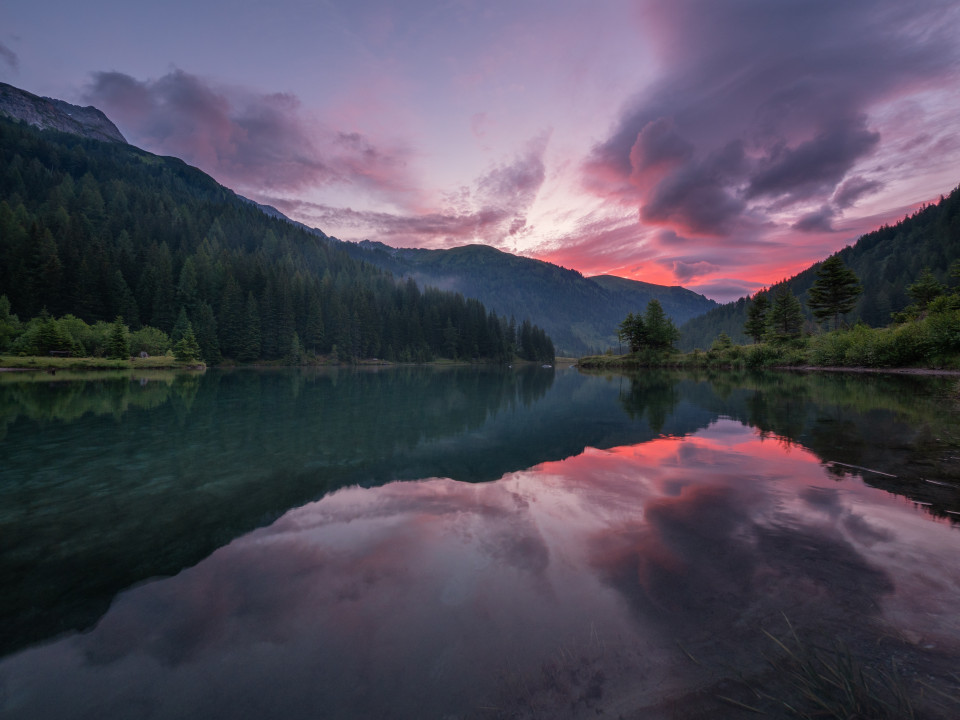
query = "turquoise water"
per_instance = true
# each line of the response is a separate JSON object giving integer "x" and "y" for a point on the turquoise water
{"x": 468, "y": 542}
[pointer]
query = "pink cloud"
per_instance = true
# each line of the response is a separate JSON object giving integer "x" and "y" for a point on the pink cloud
{"x": 763, "y": 111}
{"x": 247, "y": 140}
{"x": 492, "y": 211}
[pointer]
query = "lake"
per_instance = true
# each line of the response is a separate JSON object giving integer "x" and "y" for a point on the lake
{"x": 478, "y": 542}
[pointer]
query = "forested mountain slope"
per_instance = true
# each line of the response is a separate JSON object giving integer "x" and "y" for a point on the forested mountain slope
{"x": 100, "y": 229}
{"x": 580, "y": 314}
{"x": 886, "y": 261}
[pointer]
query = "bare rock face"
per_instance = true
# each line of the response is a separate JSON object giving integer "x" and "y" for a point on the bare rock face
{"x": 49, "y": 114}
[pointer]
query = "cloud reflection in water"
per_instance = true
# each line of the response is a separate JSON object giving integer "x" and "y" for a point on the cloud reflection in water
{"x": 417, "y": 599}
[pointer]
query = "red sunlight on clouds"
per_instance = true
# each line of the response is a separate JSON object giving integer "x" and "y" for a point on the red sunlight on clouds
{"x": 719, "y": 145}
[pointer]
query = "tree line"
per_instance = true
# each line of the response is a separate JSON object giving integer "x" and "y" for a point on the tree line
{"x": 98, "y": 231}
{"x": 887, "y": 262}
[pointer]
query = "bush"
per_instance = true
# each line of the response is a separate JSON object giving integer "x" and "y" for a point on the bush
{"x": 150, "y": 340}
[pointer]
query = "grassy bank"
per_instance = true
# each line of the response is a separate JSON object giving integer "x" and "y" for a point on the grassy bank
{"x": 931, "y": 342}
{"x": 47, "y": 363}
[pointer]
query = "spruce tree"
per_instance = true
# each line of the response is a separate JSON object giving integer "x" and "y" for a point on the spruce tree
{"x": 756, "y": 325}
{"x": 118, "y": 346}
{"x": 834, "y": 292}
{"x": 250, "y": 339}
{"x": 661, "y": 333}
{"x": 925, "y": 289}
{"x": 186, "y": 348}
{"x": 786, "y": 316}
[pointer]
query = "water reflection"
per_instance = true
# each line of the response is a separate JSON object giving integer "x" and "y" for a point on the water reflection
{"x": 107, "y": 482}
{"x": 576, "y": 587}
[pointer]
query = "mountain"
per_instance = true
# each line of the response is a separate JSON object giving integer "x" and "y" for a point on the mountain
{"x": 887, "y": 261}
{"x": 580, "y": 314}
{"x": 50, "y": 114}
{"x": 97, "y": 229}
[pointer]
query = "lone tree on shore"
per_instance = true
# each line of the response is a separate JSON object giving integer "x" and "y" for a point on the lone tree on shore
{"x": 834, "y": 292}
{"x": 653, "y": 329}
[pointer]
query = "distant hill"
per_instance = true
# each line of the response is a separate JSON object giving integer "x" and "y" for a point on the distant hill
{"x": 886, "y": 261}
{"x": 580, "y": 314}
{"x": 50, "y": 114}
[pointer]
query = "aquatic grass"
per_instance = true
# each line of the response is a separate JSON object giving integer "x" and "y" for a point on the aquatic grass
{"x": 834, "y": 683}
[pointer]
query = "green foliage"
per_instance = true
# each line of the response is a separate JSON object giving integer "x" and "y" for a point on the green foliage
{"x": 660, "y": 333}
{"x": 9, "y": 324}
{"x": 786, "y": 316}
{"x": 186, "y": 349}
{"x": 117, "y": 344}
{"x": 632, "y": 331}
{"x": 834, "y": 292}
{"x": 104, "y": 229}
{"x": 756, "y": 324}
{"x": 651, "y": 331}
{"x": 887, "y": 261}
{"x": 150, "y": 340}
{"x": 925, "y": 289}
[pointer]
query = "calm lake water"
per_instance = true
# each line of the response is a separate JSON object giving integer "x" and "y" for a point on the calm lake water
{"x": 474, "y": 543}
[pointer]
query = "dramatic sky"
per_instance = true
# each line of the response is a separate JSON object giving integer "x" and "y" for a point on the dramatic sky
{"x": 717, "y": 144}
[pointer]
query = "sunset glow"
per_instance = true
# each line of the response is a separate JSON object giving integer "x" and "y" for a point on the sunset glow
{"x": 721, "y": 146}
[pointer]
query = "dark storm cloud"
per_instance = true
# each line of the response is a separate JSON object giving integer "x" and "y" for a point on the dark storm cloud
{"x": 765, "y": 102}
{"x": 242, "y": 138}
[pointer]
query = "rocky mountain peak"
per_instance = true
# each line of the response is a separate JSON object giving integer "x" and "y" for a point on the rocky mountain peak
{"x": 50, "y": 114}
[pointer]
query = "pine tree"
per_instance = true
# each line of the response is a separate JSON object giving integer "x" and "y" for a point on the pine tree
{"x": 250, "y": 339}
{"x": 786, "y": 316}
{"x": 180, "y": 327}
{"x": 186, "y": 349}
{"x": 925, "y": 289}
{"x": 633, "y": 331}
{"x": 756, "y": 325}
{"x": 661, "y": 333}
{"x": 834, "y": 292}
{"x": 118, "y": 346}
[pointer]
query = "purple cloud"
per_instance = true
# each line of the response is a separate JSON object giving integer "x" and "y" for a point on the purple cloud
{"x": 764, "y": 106}
{"x": 244, "y": 139}
{"x": 684, "y": 271}
{"x": 853, "y": 189}
{"x": 818, "y": 221}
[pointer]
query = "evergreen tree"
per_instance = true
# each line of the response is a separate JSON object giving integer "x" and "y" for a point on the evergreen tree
{"x": 834, "y": 292}
{"x": 661, "y": 333}
{"x": 295, "y": 352}
{"x": 633, "y": 332}
{"x": 786, "y": 316}
{"x": 180, "y": 327}
{"x": 925, "y": 289}
{"x": 118, "y": 346}
{"x": 9, "y": 324}
{"x": 231, "y": 318}
{"x": 756, "y": 325}
{"x": 314, "y": 336}
{"x": 206, "y": 334}
{"x": 186, "y": 348}
{"x": 250, "y": 340}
